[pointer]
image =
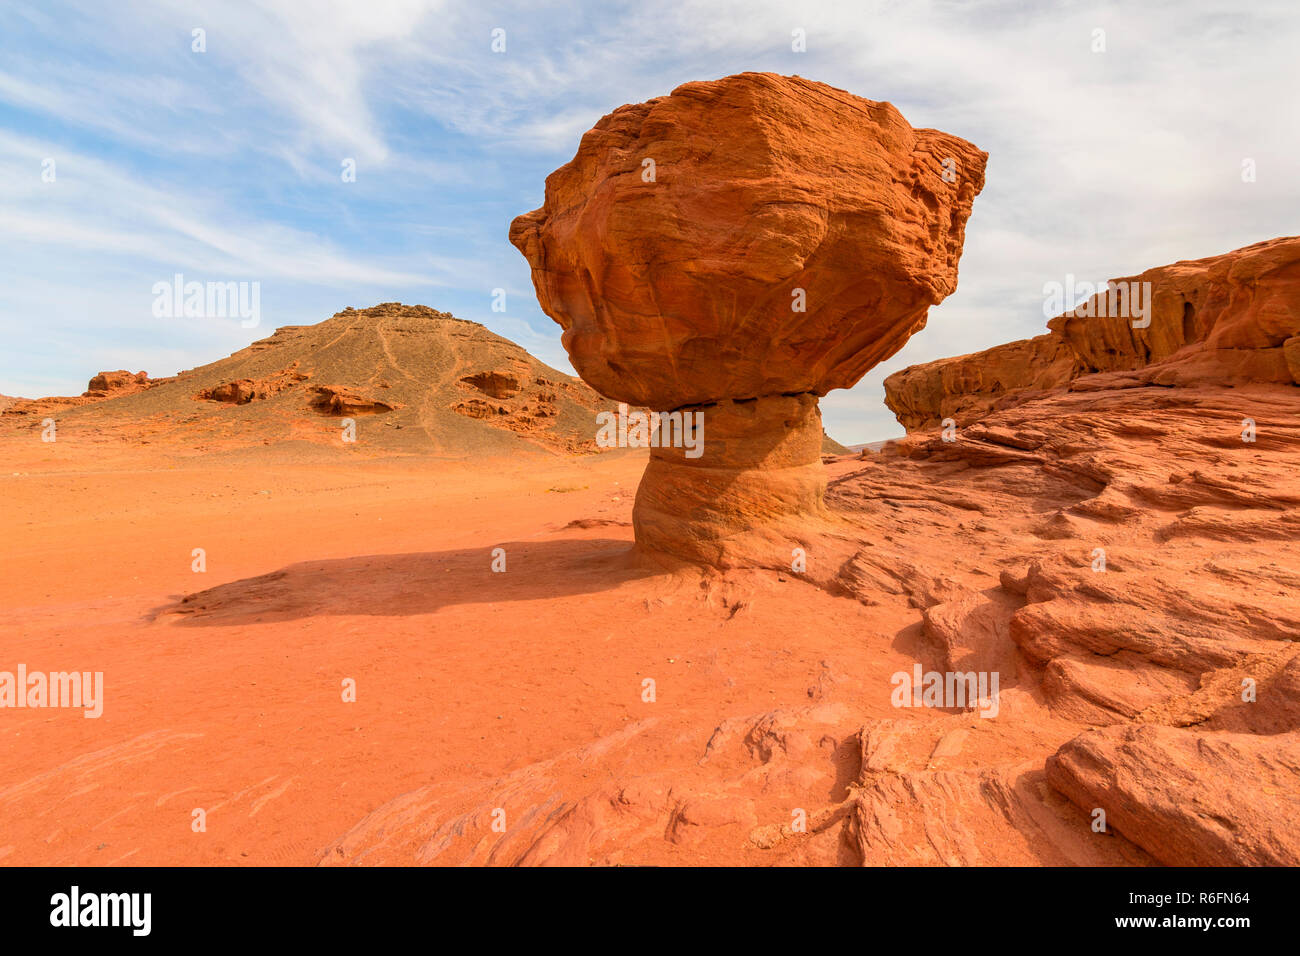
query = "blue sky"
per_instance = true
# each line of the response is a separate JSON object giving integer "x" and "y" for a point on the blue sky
{"x": 225, "y": 165}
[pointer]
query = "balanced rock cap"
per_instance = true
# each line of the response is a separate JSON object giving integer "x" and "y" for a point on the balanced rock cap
{"x": 749, "y": 236}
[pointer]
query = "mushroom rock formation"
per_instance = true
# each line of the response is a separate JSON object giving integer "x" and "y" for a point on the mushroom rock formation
{"x": 737, "y": 249}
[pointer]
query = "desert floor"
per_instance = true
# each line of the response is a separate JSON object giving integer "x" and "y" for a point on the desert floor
{"x": 461, "y": 673}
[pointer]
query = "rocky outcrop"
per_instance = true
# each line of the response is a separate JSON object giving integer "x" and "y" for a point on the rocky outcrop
{"x": 1141, "y": 535}
{"x": 244, "y": 390}
{"x": 1118, "y": 557}
{"x": 1229, "y": 319}
{"x": 120, "y": 382}
{"x": 104, "y": 385}
{"x": 343, "y": 400}
{"x": 967, "y": 387}
{"x": 739, "y": 248}
{"x": 1221, "y": 320}
{"x": 1189, "y": 798}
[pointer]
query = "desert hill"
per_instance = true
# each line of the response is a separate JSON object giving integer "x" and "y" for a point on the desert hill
{"x": 413, "y": 379}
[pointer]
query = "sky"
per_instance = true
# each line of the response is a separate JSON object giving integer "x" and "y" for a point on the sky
{"x": 128, "y": 155}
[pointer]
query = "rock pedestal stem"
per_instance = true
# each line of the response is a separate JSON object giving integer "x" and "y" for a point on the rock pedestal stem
{"x": 758, "y": 473}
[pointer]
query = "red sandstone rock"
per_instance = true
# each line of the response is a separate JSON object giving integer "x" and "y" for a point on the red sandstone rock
{"x": 239, "y": 392}
{"x": 972, "y": 555}
{"x": 120, "y": 382}
{"x": 1190, "y": 622}
{"x": 1219, "y": 320}
{"x": 1228, "y": 319}
{"x": 749, "y": 239}
{"x": 1189, "y": 798}
{"x": 967, "y": 387}
{"x": 1120, "y": 690}
{"x": 342, "y": 400}
{"x": 102, "y": 386}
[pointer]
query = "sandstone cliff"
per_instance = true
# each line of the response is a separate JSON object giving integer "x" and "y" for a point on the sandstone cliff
{"x": 1227, "y": 319}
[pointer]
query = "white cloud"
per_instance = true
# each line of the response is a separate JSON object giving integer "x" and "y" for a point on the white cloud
{"x": 96, "y": 208}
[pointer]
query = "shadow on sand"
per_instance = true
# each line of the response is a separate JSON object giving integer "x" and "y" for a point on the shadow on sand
{"x": 403, "y": 584}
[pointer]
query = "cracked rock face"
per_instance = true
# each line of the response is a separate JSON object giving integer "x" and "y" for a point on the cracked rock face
{"x": 756, "y": 239}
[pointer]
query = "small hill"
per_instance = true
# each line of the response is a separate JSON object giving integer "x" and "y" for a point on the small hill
{"x": 414, "y": 380}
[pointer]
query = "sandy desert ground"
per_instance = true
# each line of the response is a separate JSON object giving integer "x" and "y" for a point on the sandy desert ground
{"x": 367, "y": 570}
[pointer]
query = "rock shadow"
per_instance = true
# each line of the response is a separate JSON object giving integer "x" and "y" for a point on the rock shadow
{"x": 390, "y": 585}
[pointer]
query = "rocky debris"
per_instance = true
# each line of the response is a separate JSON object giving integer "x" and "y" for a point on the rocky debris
{"x": 245, "y": 390}
{"x": 496, "y": 384}
{"x": 478, "y": 408}
{"x": 685, "y": 227}
{"x": 230, "y": 393}
{"x": 510, "y": 397}
{"x": 1226, "y": 320}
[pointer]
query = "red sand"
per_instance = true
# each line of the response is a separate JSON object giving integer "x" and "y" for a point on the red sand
{"x": 460, "y": 672}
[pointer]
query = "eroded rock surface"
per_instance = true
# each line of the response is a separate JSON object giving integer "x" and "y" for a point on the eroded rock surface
{"x": 1161, "y": 686}
{"x": 1191, "y": 798}
{"x": 113, "y": 383}
{"x": 104, "y": 385}
{"x": 1230, "y": 319}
